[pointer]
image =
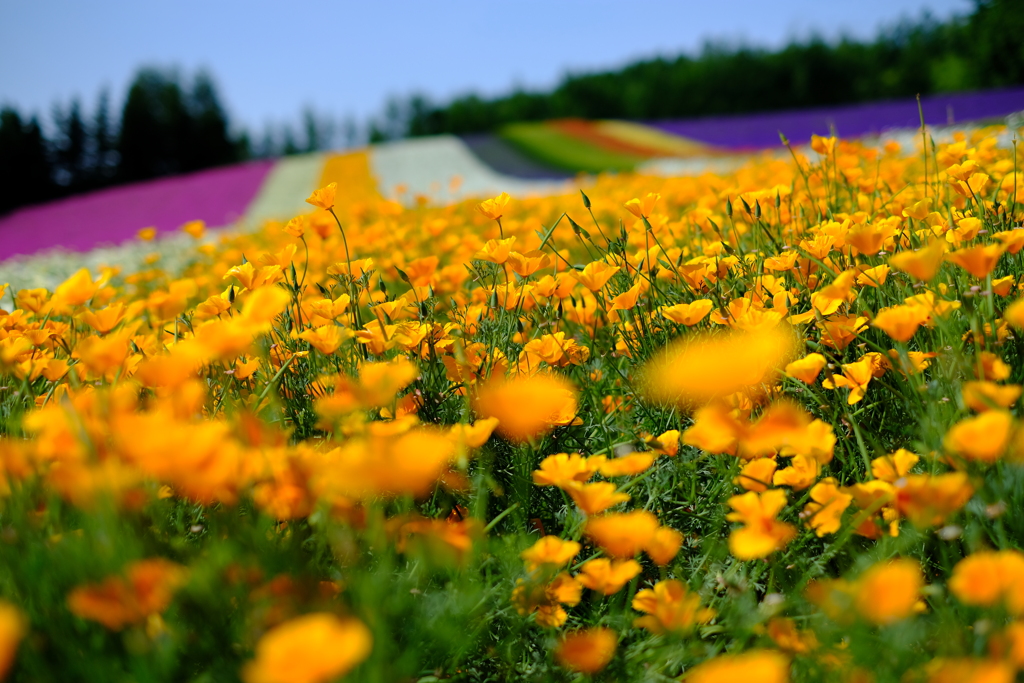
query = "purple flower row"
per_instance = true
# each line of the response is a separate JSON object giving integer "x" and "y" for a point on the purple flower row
{"x": 761, "y": 130}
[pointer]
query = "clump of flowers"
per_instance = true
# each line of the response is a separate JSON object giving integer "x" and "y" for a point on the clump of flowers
{"x": 754, "y": 425}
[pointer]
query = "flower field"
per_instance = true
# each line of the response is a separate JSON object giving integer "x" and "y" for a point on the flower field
{"x": 757, "y": 425}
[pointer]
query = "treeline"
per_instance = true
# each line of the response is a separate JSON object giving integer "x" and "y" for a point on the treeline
{"x": 168, "y": 125}
{"x": 171, "y": 125}
{"x": 983, "y": 50}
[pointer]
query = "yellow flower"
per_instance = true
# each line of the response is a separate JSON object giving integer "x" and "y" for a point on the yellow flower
{"x": 296, "y": 227}
{"x": 873, "y": 277}
{"x": 704, "y": 367}
{"x": 194, "y": 228}
{"x": 473, "y": 435}
{"x": 406, "y": 463}
{"x": 643, "y": 208}
{"x": 1014, "y": 313}
{"x": 919, "y": 210}
{"x": 546, "y": 599}
{"x": 379, "y": 383}
{"x": 761, "y": 534}
{"x": 314, "y": 648}
{"x": 1002, "y": 286}
{"x": 664, "y": 545}
{"x": 627, "y": 465}
{"x": 984, "y": 437}
{"x": 597, "y": 497}
{"x": 827, "y": 300}
{"x": 550, "y": 550}
{"x": 979, "y": 260}
{"x": 670, "y": 608}
{"x": 822, "y": 145}
{"x": 982, "y": 396}
{"x": 32, "y": 300}
{"x": 667, "y": 442}
{"x": 825, "y": 511}
{"x": 245, "y": 368}
{"x": 173, "y": 369}
{"x": 327, "y": 339}
{"x": 147, "y": 589}
{"x": 586, "y": 651}
{"x": 757, "y": 474}
{"x": 607, "y": 576}
{"x": 855, "y": 377}
{"x": 105, "y": 320}
{"x": 327, "y": 310}
{"x": 993, "y": 368}
{"x": 807, "y": 368}
{"x": 76, "y": 290}
{"x": 889, "y": 592}
{"x": 12, "y": 629}
{"x": 894, "y": 466}
{"x": 987, "y": 578}
{"x": 763, "y": 666}
{"x": 496, "y": 251}
{"x": 839, "y": 331}
{"x": 972, "y": 187}
{"x": 251, "y": 277}
{"x": 146, "y": 234}
{"x": 900, "y": 322}
{"x": 969, "y": 670}
{"x": 788, "y": 637}
{"x": 494, "y": 208}
{"x": 622, "y": 535}
{"x": 803, "y": 470}
{"x": 967, "y": 229}
{"x": 1013, "y": 240}
{"x": 687, "y": 314}
{"x": 563, "y": 470}
{"x": 103, "y": 356}
{"x": 627, "y": 300}
{"x": 526, "y": 407}
{"x": 927, "y": 500}
{"x": 922, "y": 264}
{"x": 596, "y": 274}
{"x": 868, "y": 239}
{"x": 324, "y": 197}
{"x": 529, "y": 263}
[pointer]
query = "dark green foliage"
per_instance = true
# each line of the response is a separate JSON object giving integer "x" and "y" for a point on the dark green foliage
{"x": 167, "y": 128}
{"x": 911, "y": 58}
{"x": 24, "y": 169}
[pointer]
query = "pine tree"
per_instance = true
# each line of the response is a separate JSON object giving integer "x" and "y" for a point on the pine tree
{"x": 24, "y": 169}
{"x": 72, "y": 167}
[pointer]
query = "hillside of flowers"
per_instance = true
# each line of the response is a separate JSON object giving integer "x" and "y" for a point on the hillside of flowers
{"x": 755, "y": 426}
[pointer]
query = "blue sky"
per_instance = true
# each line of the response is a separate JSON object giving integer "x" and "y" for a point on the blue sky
{"x": 271, "y": 59}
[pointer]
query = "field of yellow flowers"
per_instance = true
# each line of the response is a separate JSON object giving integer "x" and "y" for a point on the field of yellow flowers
{"x": 753, "y": 426}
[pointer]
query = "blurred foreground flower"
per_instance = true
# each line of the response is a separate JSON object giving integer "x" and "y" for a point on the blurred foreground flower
{"x": 117, "y": 601}
{"x": 763, "y": 666}
{"x": 527, "y": 407}
{"x": 545, "y": 599}
{"x": 587, "y": 651}
{"x": 697, "y": 370}
{"x": 888, "y": 592}
{"x": 314, "y": 648}
{"x": 967, "y": 670}
{"x": 12, "y": 630}
{"x": 988, "y": 578}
